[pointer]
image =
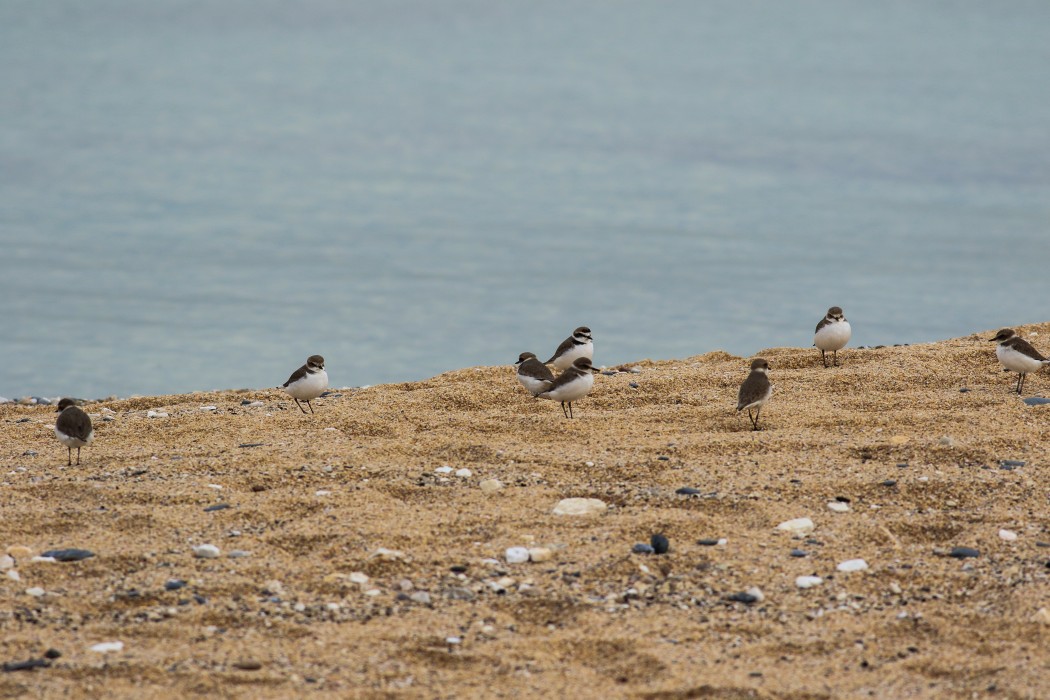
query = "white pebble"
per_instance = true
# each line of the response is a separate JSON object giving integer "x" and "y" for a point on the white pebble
{"x": 852, "y": 565}
{"x": 7, "y": 562}
{"x": 358, "y": 577}
{"x": 156, "y": 414}
{"x": 798, "y": 526}
{"x": 1007, "y": 535}
{"x": 443, "y": 470}
{"x": 36, "y": 591}
{"x": 256, "y": 403}
{"x": 808, "y": 581}
{"x": 588, "y": 464}
{"x": 453, "y": 640}
{"x": 217, "y": 487}
{"x": 757, "y": 593}
{"x": 580, "y": 506}
{"x": 208, "y": 408}
{"x": 516, "y": 555}
{"x": 491, "y": 485}
{"x": 105, "y": 647}
{"x": 322, "y": 492}
{"x": 540, "y": 554}
{"x": 464, "y": 473}
{"x": 14, "y": 575}
{"x": 206, "y": 551}
{"x": 838, "y": 507}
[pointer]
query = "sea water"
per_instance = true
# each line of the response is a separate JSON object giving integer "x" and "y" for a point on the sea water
{"x": 199, "y": 195}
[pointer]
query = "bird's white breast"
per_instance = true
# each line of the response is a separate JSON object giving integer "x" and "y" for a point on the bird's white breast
{"x": 574, "y": 353}
{"x": 571, "y": 391}
{"x": 309, "y": 387}
{"x": 1016, "y": 361}
{"x": 833, "y": 336}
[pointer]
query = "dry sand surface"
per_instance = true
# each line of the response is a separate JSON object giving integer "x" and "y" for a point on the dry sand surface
{"x": 371, "y": 574}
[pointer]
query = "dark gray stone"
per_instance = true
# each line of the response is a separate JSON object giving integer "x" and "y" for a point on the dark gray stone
{"x": 68, "y": 554}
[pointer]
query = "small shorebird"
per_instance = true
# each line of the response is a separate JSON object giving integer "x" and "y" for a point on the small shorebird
{"x": 73, "y": 428}
{"x": 308, "y": 382}
{"x": 833, "y": 332}
{"x": 571, "y": 385}
{"x": 755, "y": 390}
{"x": 578, "y": 345}
{"x": 533, "y": 374}
{"x": 1017, "y": 355}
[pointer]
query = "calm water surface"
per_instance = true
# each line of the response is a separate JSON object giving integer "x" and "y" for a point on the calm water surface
{"x": 198, "y": 195}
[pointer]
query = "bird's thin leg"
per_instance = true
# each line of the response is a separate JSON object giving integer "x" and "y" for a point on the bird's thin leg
{"x": 1020, "y": 382}
{"x": 299, "y": 404}
{"x": 78, "y": 456}
{"x": 311, "y": 406}
{"x": 570, "y": 409}
{"x": 69, "y": 456}
{"x": 823, "y": 358}
{"x": 563, "y": 411}
{"x": 835, "y": 357}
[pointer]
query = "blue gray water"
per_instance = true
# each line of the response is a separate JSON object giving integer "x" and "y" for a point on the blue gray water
{"x": 199, "y": 194}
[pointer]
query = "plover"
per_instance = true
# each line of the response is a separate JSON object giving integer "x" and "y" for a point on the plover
{"x": 308, "y": 382}
{"x": 533, "y": 374}
{"x": 578, "y": 345}
{"x": 755, "y": 390}
{"x": 73, "y": 428}
{"x": 571, "y": 385}
{"x": 832, "y": 334}
{"x": 1017, "y": 355}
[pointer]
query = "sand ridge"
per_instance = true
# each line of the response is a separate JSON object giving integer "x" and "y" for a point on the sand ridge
{"x": 348, "y": 524}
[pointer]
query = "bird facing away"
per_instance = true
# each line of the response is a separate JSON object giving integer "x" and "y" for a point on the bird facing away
{"x": 755, "y": 390}
{"x": 73, "y": 428}
{"x": 1017, "y": 355}
{"x": 577, "y": 345}
{"x": 832, "y": 334}
{"x": 571, "y": 385}
{"x": 308, "y": 382}
{"x": 533, "y": 374}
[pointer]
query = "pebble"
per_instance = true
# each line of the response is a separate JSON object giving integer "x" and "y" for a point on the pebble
{"x": 7, "y": 562}
{"x": 1042, "y": 616}
{"x": 889, "y": 482}
{"x": 239, "y": 554}
{"x": 251, "y": 444}
{"x": 12, "y": 666}
{"x": 106, "y": 647}
{"x": 206, "y": 551}
{"x": 516, "y": 555}
{"x": 633, "y": 385}
{"x": 947, "y": 441}
{"x": 588, "y": 464}
{"x": 1009, "y": 464}
{"x": 808, "y": 581}
{"x": 174, "y": 584}
{"x": 580, "y": 506}
{"x": 798, "y": 526}
{"x": 156, "y": 414}
{"x": 642, "y": 548}
{"x": 217, "y": 506}
{"x": 799, "y": 553}
{"x": 208, "y": 408}
{"x": 68, "y": 554}
{"x": 443, "y": 470}
{"x": 1007, "y": 535}
{"x": 490, "y": 485}
{"x": 851, "y": 565}
{"x": 358, "y": 577}
{"x": 322, "y": 492}
{"x": 540, "y": 554}
{"x": 29, "y": 453}
{"x": 688, "y": 491}
{"x": 52, "y": 654}
{"x": 1030, "y": 401}
{"x": 421, "y": 597}
{"x": 660, "y": 544}
{"x": 246, "y": 665}
{"x": 750, "y": 596}
{"x": 13, "y": 575}
{"x": 35, "y": 591}
{"x": 963, "y": 552}
{"x": 464, "y": 473}
{"x": 838, "y": 507}
{"x": 708, "y": 542}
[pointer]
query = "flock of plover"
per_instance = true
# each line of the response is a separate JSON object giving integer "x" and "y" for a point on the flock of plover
{"x": 576, "y": 379}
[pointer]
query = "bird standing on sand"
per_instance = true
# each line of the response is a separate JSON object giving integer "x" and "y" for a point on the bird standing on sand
{"x": 571, "y": 385}
{"x": 533, "y": 374}
{"x": 577, "y": 345}
{"x": 1017, "y": 355}
{"x": 308, "y": 382}
{"x": 832, "y": 334}
{"x": 73, "y": 428}
{"x": 755, "y": 390}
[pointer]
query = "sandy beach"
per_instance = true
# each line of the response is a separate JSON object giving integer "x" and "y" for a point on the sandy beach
{"x": 352, "y": 563}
